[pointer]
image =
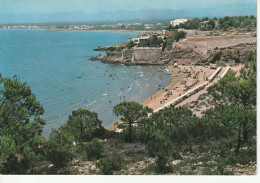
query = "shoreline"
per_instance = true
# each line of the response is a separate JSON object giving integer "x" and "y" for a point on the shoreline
{"x": 119, "y": 30}
{"x": 95, "y": 30}
{"x": 175, "y": 88}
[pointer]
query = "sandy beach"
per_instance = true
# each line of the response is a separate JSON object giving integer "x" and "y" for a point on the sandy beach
{"x": 184, "y": 78}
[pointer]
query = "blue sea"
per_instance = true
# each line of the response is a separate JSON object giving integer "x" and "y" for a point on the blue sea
{"x": 56, "y": 66}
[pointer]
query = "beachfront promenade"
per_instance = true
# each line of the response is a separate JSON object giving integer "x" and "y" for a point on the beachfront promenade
{"x": 212, "y": 79}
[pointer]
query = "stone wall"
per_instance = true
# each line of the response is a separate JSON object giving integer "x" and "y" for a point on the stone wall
{"x": 143, "y": 55}
{"x": 115, "y": 56}
{"x": 137, "y": 56}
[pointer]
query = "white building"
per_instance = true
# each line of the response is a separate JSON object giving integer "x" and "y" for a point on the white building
{"x": 179, "y": 21}
{"x": 148, "y": 25}
{"x": 138, "y": 24}
{"x": 138, "y": 39}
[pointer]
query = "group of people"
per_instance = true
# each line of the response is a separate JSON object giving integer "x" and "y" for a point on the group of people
{"x": 168, "y": 94}
{"x": 189, "y": 73}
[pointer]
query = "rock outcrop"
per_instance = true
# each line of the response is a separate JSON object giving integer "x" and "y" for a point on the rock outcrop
{"x": 134, "y": 56}
{"x": 231, "y": 55}
{"x": 179, "y": 54}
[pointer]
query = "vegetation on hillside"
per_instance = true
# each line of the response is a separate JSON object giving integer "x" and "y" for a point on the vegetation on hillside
{"x": 153, "y": 41}
{"x": 20, "y": 127}
{"x": 218, "y": 23}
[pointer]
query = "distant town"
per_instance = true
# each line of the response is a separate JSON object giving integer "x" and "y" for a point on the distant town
{"x": 131, "y": 26}
{"x": 168, "y": 27}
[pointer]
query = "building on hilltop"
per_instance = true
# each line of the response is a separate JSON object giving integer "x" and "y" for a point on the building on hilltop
{"x": 179, "y": 21}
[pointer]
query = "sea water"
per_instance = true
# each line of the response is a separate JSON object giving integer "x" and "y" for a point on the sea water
{"x": 56, "y": 66}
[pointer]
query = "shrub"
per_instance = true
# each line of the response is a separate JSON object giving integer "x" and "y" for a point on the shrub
{"x": 176, "y": 155}
{"x": 160, "y": 147}
{"x": 109, "y": 165}
{"x": 179, "y": 35}
{"x": 131, "y": 44}
{"x": 120, "y": 48}
{"x": 111, "y": 48}
{"x": 108, "y": 134}
{"x": 219, "y": 171}
{"x": 94, "y": 149}
{"x": 153, "y": 41}
{"x": 161, "y": 164}
{"x": 59, "y": 150}
{"x": 169, "y": 41}
{"x": 60, "y": 157}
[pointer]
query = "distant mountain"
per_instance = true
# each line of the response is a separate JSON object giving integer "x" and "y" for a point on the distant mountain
{"x": 159, "y": 14}
{"x": 42, "y": 17}
{"x": 142, "y": 15}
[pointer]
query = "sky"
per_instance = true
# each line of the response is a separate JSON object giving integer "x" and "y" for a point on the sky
{"x": 93, "y": 6}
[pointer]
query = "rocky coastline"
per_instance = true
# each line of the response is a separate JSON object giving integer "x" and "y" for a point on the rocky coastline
{"x": 178, "y": 54}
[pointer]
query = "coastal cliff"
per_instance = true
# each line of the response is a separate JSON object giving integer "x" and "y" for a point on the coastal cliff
{"x": 179, "y": 54}
{"x": 134, "y": 56}
{"x": 231, "y": 55}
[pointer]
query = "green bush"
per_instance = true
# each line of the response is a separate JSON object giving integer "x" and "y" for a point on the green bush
{"x": 131, "y": 44}
{"x": 161, "y": 164}
{"x": 109, "y": 165}
{"x": 59, "y": 147}
{"x": 160, "y": 147}
{"x": 94, "y": 149}
{"x": 219, "y": 171}
{"x": 179, "y": 35}
{"x": 60, "y": 157}
{"x": 111, "y": 48}
{"x": 153, "y": 41}
{"x": 120, "y": 48}
{"x": 108, "y": 134}
{"x": 176, "y": 155}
